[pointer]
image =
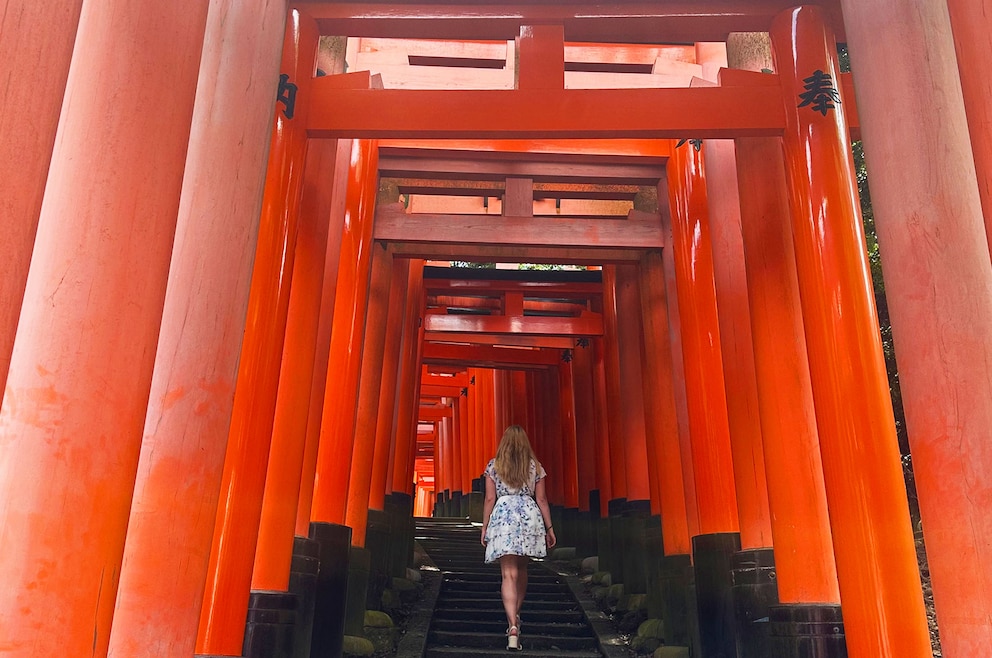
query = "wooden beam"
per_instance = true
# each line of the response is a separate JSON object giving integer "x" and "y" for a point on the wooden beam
{"x": 494, "y": 189}
{"x": 447, "y": 368}
{"x": 589, "y": 324}
{"x": 557, "y": 342}
{"x": 433, "y": 413}
{"x": 459, "y": 381}
{"x": 487, "y": 356}
{"x": 493, "y": 304}
{"x": 673, "y": 21}
{"x": 638, "y": 231}
{"x": 435, "y": 390}
{"x": 704, "y": 112}
{"x": 530, "y": 288}
{"x": 487, "y": 253}
{"x": 395, "y": 164}
{"x": 612, "y": 151}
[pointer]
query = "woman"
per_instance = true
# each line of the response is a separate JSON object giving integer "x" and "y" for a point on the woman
{"x": 516, "y": 520}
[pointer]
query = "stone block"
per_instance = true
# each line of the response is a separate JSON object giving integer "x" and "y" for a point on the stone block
{"x": 652, "y": 628}
{"x": 671, "y": 652}
{"x": 377, "y": 619}
{"x": 357, "y": 646}
{"x": 644, "y": 645}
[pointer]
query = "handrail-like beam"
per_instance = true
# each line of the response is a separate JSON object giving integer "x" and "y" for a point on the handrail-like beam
{"x": 671, "y": 21}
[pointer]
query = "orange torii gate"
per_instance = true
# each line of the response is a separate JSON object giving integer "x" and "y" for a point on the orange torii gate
{"x": 103, "y": 435}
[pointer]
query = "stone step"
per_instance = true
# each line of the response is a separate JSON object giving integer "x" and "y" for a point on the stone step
{"x": 529, "y": 615}
{"x": 487, "y": 602}
{"x": 494, "y": 594}
{"x": 531, "y": 626}
{"x": 534, "y": 586}
{"x": 468, "y": 619}
{"x": 501, "y": 652}
{"x": 489, "y": 572}
{"x": 497, "y": 640}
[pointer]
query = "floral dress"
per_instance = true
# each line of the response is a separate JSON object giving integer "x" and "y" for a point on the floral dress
{"x": 516, "y": 526}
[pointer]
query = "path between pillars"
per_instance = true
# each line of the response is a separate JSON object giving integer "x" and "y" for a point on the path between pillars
{"x": 468, "y": 618}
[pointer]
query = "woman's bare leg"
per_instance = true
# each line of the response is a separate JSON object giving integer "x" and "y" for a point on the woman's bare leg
{"x": 510, "y": 570}
{"x": 522, "y": 562}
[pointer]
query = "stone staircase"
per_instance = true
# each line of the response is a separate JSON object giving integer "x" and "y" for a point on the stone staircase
{"x": 468, "y": 617}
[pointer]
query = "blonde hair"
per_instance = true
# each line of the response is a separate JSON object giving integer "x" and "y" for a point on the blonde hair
{"x": 513, "y": 457}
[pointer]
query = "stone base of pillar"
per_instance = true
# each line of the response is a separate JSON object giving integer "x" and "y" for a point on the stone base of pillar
{"x": 616, "y": 508}
{"x": 634, "y": 554}
{"x": 570, "y": 528}
{"x": 399, "y": 509}
{"x": 334, "y": 543}
{"x": 675, "y": 580}
{"x": 604, "y": 545}
{"x": 359, "y": 564}
{"x": 695, "y": 643}
{"x": 476, "y": 500}
{"x": 712, "y": 559}
{"x": 270, "y": 626}
{"x": 303, "y": 575}
{"x": 585, "y": 534}
{"x": 594, "y": 503}
{"x": 557, "y": 520}
{"x": 807, "y": 631}
{"x": 455, "y": 504}
{"x": 377, "y": 540}
{"x": 591, "y": 542}
{"x": 409, "y": 526}
{"x": 653, "y": 556}
{"x": 755, "y": 592}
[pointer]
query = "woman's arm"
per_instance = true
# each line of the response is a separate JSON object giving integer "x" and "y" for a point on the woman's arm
{"x": 487, "y": 507}
{"x": 541, "y": 496}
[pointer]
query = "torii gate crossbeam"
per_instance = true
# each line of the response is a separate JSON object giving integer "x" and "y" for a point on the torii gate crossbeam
{"x": 672, "y": 21}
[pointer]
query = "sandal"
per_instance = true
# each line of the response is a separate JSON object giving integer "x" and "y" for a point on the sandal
{"x": 513, "y": 639}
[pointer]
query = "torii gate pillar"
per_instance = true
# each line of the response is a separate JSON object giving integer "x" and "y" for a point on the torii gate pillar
{"x": 939, "y": 280}
{"x": 77, "y": 389}
{"x": 873, "y": 541}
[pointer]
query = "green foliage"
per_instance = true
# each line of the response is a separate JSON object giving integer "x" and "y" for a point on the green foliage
{"x": 541, "y": 266}
{"x": 471, "y": 265}
{"x": 521, "y": 266}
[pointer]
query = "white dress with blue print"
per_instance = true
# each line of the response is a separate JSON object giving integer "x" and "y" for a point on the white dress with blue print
{"x": 516, "y": 526}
